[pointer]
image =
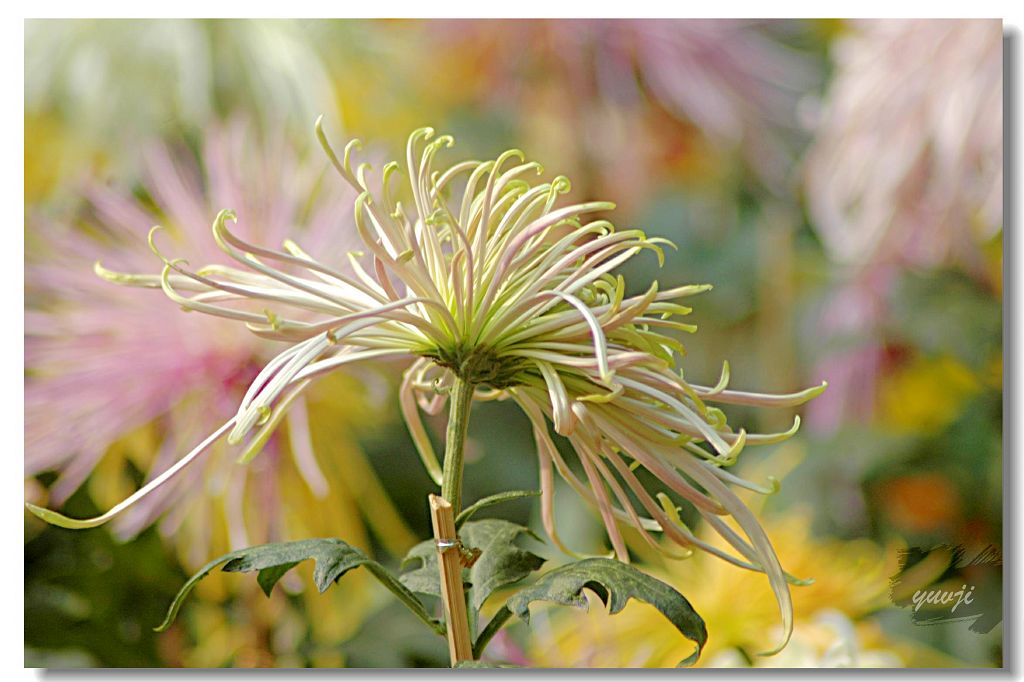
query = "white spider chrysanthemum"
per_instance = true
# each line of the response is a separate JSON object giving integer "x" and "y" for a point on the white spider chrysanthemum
{"x": 487, "y": 285}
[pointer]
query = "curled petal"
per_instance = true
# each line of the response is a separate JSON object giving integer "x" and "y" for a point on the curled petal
{"x": 58, "y": 519}
{"x": 424, "y": 448}
{"x": 761, "y": 399}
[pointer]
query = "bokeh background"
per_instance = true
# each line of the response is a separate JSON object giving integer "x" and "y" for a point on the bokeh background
{"x": 839, "y": 182}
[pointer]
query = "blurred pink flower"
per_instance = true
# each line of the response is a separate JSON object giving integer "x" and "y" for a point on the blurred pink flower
{"x": 850, "y": 322}
{"x": 907, "y": 164}
{"x": 102, "y": 360}
{"x": 905, "y": 172}
{"x": 733, "y": 80}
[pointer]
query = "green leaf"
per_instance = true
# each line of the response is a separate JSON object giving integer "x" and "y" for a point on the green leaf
{"x": 500, "y": 563}
{"x": 491, "y": 501}
{"x": 425, "y": 578}
{"x": 615, "y": 583}
{"x": 333, "y": 559}
{"x": 268, "y": 577}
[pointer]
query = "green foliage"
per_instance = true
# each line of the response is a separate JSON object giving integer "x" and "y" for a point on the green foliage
{"x": 90, "y": 599}
{"x": 391, "y": 637}
{"x": 500, "y": 562}
{"x": 946, "y": 313}
{"x": 615, "y": 583}
{"x": 333, "y": 559}
{"x": 489, "y": 501}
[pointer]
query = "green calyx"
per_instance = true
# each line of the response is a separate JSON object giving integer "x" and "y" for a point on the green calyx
{"x": 480, "y": 366}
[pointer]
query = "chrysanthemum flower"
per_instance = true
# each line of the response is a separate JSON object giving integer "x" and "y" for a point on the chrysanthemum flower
{"x": 483, "y": 282}
{"x": 905, "y": 172}
{"x": 922, "y": 100}
{"x": 104, "y": 362}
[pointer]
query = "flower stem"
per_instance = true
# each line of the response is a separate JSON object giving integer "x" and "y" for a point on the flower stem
{"x": 499, "y": 619}
{"x": 460, "y": 401}
{"x": 443, "y": 512}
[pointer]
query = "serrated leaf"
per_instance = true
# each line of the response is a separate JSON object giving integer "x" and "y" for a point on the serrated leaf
{"x": 425, "y": 578}
{"x": 615, "y": 583}
{"x": 501, "y": 562}
{"x": 333, "y": 559}
{"x": 268, "y": 577}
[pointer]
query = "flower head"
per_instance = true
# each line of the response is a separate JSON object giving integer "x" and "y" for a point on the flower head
{"x": 921, "y": 99}
{"x": 105, "y": 362}
{"x": 477, "y": 276}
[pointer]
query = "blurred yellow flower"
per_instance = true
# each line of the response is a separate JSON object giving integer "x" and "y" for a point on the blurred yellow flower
{"x": 850, "y": 577}
{"x": 925, "y": 394}
{"x": 829, "y": 640}
{"x": 51, "y": 154}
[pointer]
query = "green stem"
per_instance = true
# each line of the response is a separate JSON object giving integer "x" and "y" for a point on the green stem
{"x": 403, "y": 593}
{"x": 492, "y": 628}
{"x": 460, "y": 401}
{"x": 490, "y": 500}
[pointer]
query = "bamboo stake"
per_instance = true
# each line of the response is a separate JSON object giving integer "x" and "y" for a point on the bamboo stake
{"x": 460, "y": 647}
